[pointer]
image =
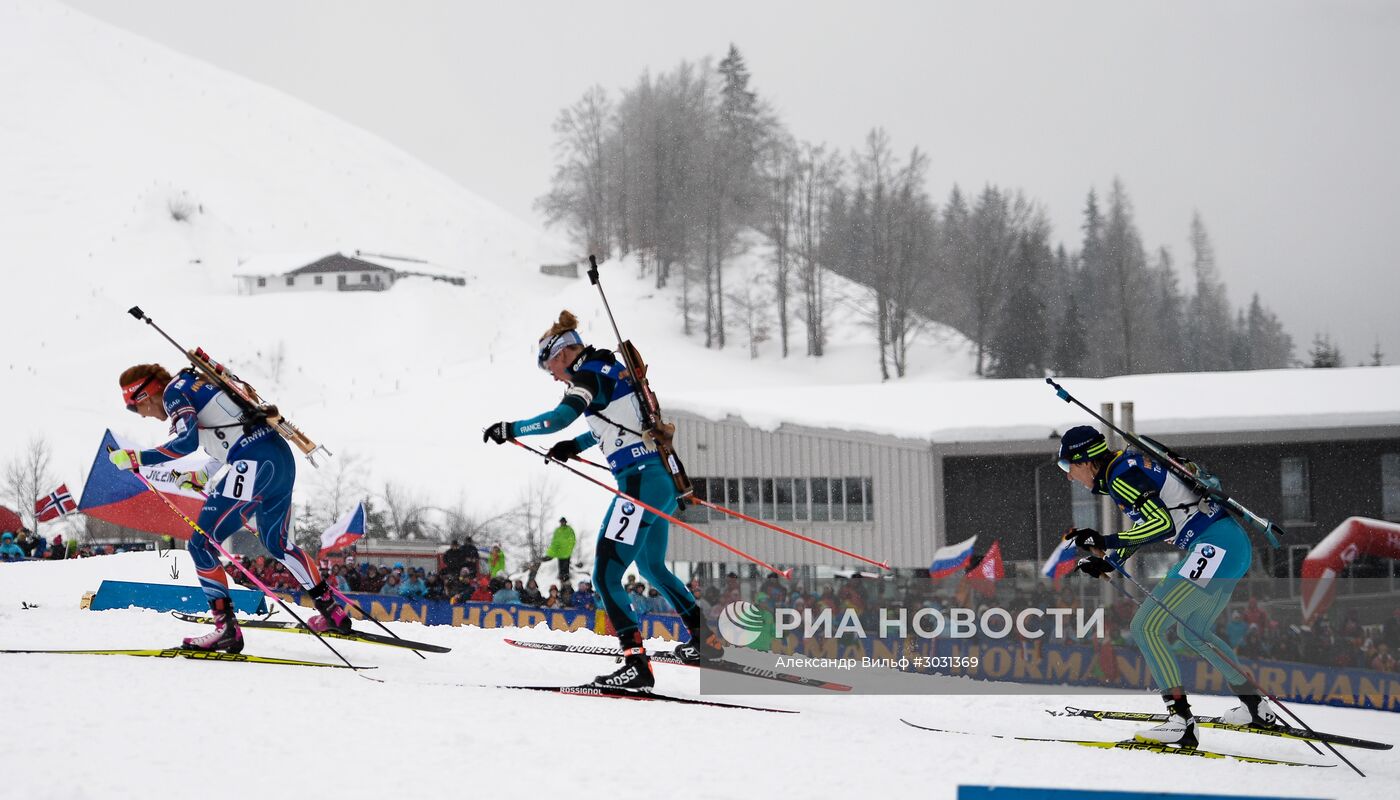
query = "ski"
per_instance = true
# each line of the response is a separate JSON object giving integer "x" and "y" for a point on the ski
{"x": 1281, "y": 731}
{"x": 1133, "y": 744}
{"x": 667, "y": 657}
{"x": 292, "y": 627}
{"x": 633, "y": 694}
{"x": 197, "y": 655}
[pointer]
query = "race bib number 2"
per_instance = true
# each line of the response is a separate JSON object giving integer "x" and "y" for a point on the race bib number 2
{"x": 238, "y": 483}
{"x": 1202, "y": 564}
{"x": 622, "y": 525}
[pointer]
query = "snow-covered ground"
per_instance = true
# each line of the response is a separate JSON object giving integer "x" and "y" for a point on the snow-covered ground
{"x": 112, "y": 727}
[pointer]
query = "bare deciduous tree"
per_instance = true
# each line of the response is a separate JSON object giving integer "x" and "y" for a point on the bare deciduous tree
{"x": 28, "y": 477}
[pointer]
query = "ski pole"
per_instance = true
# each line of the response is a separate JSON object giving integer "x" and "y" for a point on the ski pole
{"x": 794, "y": 534}
{"x": 247, "y": 572}
{"x": 366, "y": 615}
{"x": 1227, "y": 659}
{"x": 787, "y": 573}
{"x": 1271, "y": 530}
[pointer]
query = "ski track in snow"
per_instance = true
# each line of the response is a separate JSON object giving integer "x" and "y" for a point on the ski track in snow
{"x": 114, "y": 727}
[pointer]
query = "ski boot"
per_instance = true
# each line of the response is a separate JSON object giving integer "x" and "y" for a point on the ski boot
{"x": 1254, "y": 711}
{"x": 635, "y": 673}
{"x": 1180, "y": 727}
{"x": 703, "y": 646}
{"x": 226, "y": 636}
{"x": 333, "y": 616}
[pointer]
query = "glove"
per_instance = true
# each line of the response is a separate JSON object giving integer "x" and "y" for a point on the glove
{"x": 125, "y": 459}
{"x": 565, "y": 450}
{"x": 1093, "y": 566}
{"x": 193, "y": 480}
{"x": 1087, "y": 538}
{"x": 498, "y": 432}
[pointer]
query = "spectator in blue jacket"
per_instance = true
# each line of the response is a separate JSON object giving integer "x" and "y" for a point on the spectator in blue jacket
{"x": 506, "y": 594}
{"x": 414, "y": 588}
{"x": 583, "y": 598}
{"x": 9, "y": 551}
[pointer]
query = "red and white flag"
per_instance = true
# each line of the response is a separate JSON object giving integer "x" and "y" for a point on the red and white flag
{"x": 346, "y": 530}
{"x": 55, "y": 504}
{"x": 985, "y": 575}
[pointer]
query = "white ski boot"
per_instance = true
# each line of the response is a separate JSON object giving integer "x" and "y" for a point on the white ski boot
{"x": 1177, "y": 730}
{"x": 1255, "y": 711}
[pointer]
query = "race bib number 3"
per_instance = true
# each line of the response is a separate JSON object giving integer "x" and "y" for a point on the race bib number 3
{"x": 1201, "y": 565}
{"x": 622, "y": 525}
{"x": 238, "y": 483}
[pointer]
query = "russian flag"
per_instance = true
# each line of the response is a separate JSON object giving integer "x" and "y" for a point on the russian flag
{"x": 346, "y": 530}
{"x": 1061, "y": 562}
{"x": 952, "y": 559}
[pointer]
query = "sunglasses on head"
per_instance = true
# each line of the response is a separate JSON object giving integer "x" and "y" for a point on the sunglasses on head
{"x": 136, "y": 392}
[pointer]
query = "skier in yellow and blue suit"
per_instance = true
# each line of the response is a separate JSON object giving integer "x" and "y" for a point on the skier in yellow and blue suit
{"x": 1165, "y": 508}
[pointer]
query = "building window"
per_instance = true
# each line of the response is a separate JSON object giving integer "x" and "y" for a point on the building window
{"x": 751, "y": 505}
{"x": 1084, "y": 507}
{"x": 1390, "y": 486}
{"x": 262, "y": 282}
{"x": 318, "y": 279}
{"x": 855, "y": 502}
{"x": 340, "y": 281}
{"x": 786, "y": 499}
{"x": 838, "y": 500}
{"x": 364, "y": 277}
{"x": 1294, "y": 485}
{"x": 291, "y": 280}
{"x": 782, "y": 500}
{"x": 799, "y": 500}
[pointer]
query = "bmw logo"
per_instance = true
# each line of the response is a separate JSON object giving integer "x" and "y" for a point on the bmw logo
{"x": 241, "y": 467}
{"x": 629, "y": 509}
{"x": 1208, "y": 551}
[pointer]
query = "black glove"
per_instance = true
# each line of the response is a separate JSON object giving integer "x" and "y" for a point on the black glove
{"x": 1087, "y": 538}
{"x": 498, "y": 432}
{"x": 565, "y": 450}
{"x": 1093, "y": 566}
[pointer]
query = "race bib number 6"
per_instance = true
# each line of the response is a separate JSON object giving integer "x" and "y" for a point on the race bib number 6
{"x": 1201, "y": 565}
{"x": 622, "y": 525}
{"x": 238, "y": 483}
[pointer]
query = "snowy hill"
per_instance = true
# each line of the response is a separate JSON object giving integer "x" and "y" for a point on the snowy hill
{"x": 438, "y": 726}
{"x": 136, "y": 175}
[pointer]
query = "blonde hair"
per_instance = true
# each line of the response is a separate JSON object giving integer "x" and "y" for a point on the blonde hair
{"x": 566, "y": 322}
{"x": 131, "y": 375}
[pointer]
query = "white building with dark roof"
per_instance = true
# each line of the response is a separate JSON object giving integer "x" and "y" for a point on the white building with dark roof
{"x": 336, "y": 272}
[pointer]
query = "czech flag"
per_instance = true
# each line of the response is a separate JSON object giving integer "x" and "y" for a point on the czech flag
{"x": 119, "y": 497}
{"x": 55, "y": 504}
{"x": 1061, "y": 562}
{"x": 952, "y": 559}
{"x": 345, "y": 531}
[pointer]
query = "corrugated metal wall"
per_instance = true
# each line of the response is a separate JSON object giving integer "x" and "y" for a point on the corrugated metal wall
{"x": 903, "y": 482}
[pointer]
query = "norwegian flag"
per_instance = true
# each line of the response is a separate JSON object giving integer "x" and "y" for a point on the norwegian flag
{"x": 54, "y": 505}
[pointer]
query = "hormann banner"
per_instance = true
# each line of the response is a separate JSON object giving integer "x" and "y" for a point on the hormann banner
{"x": 924, "y": 665}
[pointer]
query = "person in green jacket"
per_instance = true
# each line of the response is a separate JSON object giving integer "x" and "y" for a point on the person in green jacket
{"x": 496, "y": 564}
{"x": 561, "y": 547}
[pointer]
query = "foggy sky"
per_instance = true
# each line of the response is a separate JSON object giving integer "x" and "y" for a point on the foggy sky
{"x": 1279, "y": 121}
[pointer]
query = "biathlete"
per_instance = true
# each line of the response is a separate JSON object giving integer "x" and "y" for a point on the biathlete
{"x": 254, "y": 471}
{"x": 1165, "y": 508}
{"x": 601, "y": 393}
